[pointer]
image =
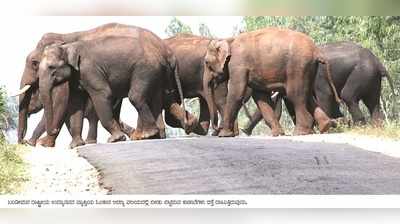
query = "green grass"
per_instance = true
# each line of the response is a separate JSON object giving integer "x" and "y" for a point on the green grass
{"x": 12, "y": 168}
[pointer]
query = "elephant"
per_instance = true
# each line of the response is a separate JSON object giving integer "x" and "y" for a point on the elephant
{"x": 29, "y": 92}
{"x": 189, "y": 50}
{"x": 357, "y": 75}
{"x": 269, "y": 59}
{"x": 109, "y": 69}
{"x": 62, "y": 92}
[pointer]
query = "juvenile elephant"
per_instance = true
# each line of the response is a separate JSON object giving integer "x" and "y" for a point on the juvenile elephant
{"x": 267, "y": 60}
{"x": 357, "y": 75}
{"x": 190, "y": 50}
{"x": 30, "y": 86}
{"x": 109, "y": 69}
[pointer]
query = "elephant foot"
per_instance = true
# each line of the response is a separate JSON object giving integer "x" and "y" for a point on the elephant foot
{"x": 47, "y": 141}
{"x": 323, "y": 121}
{"x": 324, "y": 127}
{"x": 90, "y": 141}
{"x": 199, "y": 130}
{"x": 76, "y": 142}
{"x": 31, "y": 142}
{"x": 302, "y": 131}
{"x": 145, "y": 134}
{"x": 246, "y": 131}
{"x": 226, "y": 133}
{"x": 277, "y": 132}
{"x": 116, "y": 137}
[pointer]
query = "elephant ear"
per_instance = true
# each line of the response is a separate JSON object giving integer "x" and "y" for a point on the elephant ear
{"x": 72, "y": 55}
{"x": 223, "y": 50}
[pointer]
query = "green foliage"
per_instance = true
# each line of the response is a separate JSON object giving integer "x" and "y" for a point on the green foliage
{"x": 380, "y": 34}
{"x": 12, "y": 168}
{"x": 8, "y": 111}
{"x": 176, "y": 26}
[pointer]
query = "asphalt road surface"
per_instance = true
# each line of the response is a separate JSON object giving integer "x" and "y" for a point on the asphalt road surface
{"x": 211, "y": 165}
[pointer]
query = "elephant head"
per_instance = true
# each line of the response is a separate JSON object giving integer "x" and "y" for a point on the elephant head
{"x": 57, "y": 65}
{"x": 28, "y": 90}
{"x": 29, "y": 86}
{"x": 215, "y": 70}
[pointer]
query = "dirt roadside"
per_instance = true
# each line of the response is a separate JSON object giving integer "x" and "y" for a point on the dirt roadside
{"x": 59, "y": 171}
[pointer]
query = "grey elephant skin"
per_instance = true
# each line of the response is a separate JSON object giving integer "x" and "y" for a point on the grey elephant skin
{"x": 357, "y": 74}
{"x": 190, "y": 51}
{"x": 30, "y": 103}
{"x": 110, "y": 69}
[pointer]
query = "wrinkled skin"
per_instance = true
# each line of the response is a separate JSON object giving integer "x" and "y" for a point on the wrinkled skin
{"x": 109, "y": 69}
{"x": 190, "y": 50}
{"x": 356, "y": 73}
{"x": 30, "y": 76}
{"x": 267, "y": 60}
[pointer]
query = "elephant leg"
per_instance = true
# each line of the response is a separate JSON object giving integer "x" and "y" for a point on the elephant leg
{"x": 263, "y": 101}
{"x": 237, "y": 87}
{"x": 204, "y": 119}
{"x": 138, "y": 99}
{"x": 39, "y": 130}
{"x": 372, "y": 101}
{"x": 254, "y": 119}
{"x": 102, "y": 101}
{"x": 157, "y": 108}
{"x": 297, "y": 95}
{"x": 92, "y": 133}
{"x": 74, "y": 120}
{"x": 352, "y": 103}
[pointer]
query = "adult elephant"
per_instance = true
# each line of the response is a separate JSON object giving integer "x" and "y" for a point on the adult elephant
{"x": 29, "y": 92}
{"x": 60, "y": 95}
{"x": 109, "y": 69}
{"x": 357, "y": 74}
{"x": 190, "y": 50}
{"x": 266, "y": 60}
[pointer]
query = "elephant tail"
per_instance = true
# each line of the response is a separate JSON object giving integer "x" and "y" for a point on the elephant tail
{"x": 175, "y": 67}
{"x": 384, "y": 73}
{"x": 321, "y": 60}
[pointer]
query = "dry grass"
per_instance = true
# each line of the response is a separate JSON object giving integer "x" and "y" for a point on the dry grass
{"x": 390, "y": 130}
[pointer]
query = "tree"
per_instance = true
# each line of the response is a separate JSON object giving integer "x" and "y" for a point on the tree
{"x": 176, "y": 26}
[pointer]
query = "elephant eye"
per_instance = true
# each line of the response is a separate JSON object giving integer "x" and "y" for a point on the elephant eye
{"x": 35, "y": 64}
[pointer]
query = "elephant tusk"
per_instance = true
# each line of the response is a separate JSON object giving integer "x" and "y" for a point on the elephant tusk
{"x": 21, "y": 91}
{"x": 274, "y": 95}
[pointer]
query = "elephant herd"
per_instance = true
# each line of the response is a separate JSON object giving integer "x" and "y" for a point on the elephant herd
{"x": 87, "y": 74}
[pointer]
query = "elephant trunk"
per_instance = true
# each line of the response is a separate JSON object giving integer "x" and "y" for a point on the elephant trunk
{"x": 23, "y": 107}
{"x": 46, "y": 98}
{"x": 180, "y": 91}
{"x": 208, "y": 86}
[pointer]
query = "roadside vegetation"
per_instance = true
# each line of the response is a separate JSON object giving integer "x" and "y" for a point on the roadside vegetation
{"x": 12, "y": 167}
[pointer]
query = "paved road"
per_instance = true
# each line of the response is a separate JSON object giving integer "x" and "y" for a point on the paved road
{"x": 211, "y": 165}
